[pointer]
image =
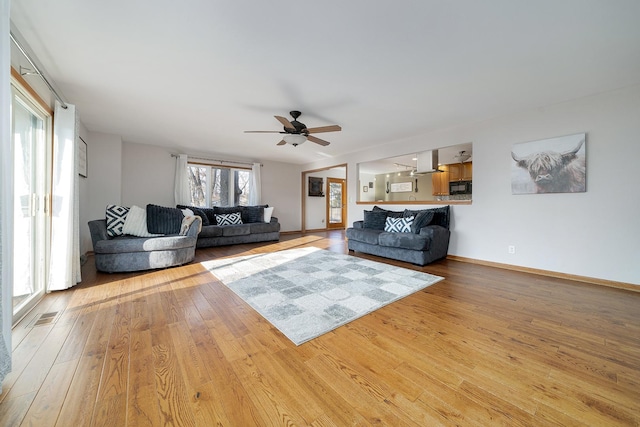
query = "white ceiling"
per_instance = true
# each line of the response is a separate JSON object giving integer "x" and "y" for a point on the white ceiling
{"x": 193, "y": 75}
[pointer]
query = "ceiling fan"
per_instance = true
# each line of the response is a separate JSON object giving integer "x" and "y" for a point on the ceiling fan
{"x": 296, "y": 133}
{"x": 462, "y": 156}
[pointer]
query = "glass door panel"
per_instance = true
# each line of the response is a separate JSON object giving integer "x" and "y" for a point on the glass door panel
{"x": 30, "y": 180}
{"x": 336, "y": 203}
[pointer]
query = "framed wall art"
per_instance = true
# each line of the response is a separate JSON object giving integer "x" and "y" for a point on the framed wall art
{"x": 315, "y": 187}
{"x": 82, "y": 158}
{"x": 554, "y": 165}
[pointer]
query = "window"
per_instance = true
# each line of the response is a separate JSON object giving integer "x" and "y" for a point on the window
{"x": 217, "y": 186}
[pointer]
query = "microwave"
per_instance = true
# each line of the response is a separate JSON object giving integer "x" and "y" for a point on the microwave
{"x": 459, "y": 187}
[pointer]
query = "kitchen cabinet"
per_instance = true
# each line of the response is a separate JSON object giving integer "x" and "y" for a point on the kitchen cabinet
{"x": 467, "y": 169}
{"x": 440, "y": 181}
{"x": 460, "y": 171}
{"x": 455, "y": 173}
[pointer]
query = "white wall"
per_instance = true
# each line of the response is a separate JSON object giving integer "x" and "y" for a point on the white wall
{"x": 593, "y": 234}
{"x": 148, "y": 173}
{"x": 103, "y": 183}
{"x": 281, "y": 188}
{"x": 370, "y": 194}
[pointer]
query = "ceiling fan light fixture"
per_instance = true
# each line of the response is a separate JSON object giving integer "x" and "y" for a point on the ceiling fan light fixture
{"x": 294, "y": 139}
{"x": 463, "y": 156}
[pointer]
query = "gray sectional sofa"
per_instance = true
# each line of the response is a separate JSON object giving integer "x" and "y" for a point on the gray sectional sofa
{"x": 130, "y": 253}
{"x": 252, "y": 230}
{"x": 217, "y": 235}
{"x": 427, "y": 241}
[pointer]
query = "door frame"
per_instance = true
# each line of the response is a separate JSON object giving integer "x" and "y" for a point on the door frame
{"x": 343, "y": 224}
{"x": 304, "y": 179}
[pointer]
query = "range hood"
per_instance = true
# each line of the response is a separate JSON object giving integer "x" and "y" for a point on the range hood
{"x": 427, "y": 162}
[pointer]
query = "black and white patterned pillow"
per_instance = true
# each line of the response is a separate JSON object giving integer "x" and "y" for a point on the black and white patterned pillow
{"x": 115, "y": 215}
{"x": 229, "y": 219}
{"x": 398, "y": 225}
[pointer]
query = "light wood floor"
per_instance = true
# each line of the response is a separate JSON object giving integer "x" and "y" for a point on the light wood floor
{"x": 175, "y": 347}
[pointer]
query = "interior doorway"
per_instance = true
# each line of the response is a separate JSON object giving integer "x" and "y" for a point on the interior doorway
{"x": 316, "y": 215}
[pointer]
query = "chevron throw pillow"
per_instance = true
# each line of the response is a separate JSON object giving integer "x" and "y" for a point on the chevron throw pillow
{"x": 115, "y": 215}
{"x": 398, "y": 225}
{"x": 229, "y": 219}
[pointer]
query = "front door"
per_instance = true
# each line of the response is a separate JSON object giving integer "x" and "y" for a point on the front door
{"x": 336, "y": 203}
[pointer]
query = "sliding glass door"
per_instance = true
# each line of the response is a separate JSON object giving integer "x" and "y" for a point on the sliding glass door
{"x": 31, "y": 136}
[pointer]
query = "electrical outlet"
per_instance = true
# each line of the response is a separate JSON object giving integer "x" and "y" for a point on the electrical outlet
{"x": 511, "y": 249}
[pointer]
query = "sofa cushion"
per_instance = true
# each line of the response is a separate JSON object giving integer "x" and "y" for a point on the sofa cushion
{"x": 404, "y": 241}
{"x": 201, "y": 212}
{"x": 375, "y": 220}
{"x": 365, "y": 235}
{"x": 398, "y": 225}
{"x": 440, "y": 216}
{"x": 421, "y": 218}
{"x": 211, "y": 231}
{"x": 236, "y": 230}
{"x": 163, "y": 220}
{"x": 226, "y": 209}
{"x": 268, "y": 212}
{"x": 263, "y": 227}
{"x": 229, "y": 219}
{"x": 136, "y": 223}
{"x": 392, "y": 214}
{"x": 115, "y": 216}
{"x": 251, "y": 214}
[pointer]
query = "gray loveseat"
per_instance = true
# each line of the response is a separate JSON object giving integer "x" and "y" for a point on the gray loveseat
{"x": 427, "y": 241}
{"x": 252, "y": 230}
{"x": 131, "y": 253}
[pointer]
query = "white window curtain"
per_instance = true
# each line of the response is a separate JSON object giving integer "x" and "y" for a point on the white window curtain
{"x": 64, "y": 269}
{"x": 255, "y": 185}
{"x": 6, "y": 195}
{"x": 181, "y": 184}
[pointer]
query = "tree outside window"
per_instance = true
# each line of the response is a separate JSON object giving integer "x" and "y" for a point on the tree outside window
{"x": 216, "y": 186}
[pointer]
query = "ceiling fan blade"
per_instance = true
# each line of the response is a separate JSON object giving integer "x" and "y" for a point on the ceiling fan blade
{"x": 283, "y": 142}
{"x": 331, "y": 128}
{"x": 318, "y": 140}
{"x": 286, "y": 123}
{"x": 262, "y": 131}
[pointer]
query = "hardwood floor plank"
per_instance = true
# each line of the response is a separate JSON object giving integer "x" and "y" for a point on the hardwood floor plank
{"x": 49, "y": 399}
{"x": 39, "y": 366}
{"x": 483, "y": 347}
{"x": 142, "y": 399}
{"x": 79, "y": 404}
{"x": 12, "y": 411}
{"x": 365, "y": 395}
{"x": 22, "y": 356}
{"x": 172, "y": 392}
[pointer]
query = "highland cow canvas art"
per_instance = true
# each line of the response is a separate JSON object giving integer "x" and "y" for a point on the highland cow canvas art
{"x": 555, "y": 165}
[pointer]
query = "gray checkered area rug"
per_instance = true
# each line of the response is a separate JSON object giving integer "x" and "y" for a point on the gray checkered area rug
{"x": 307, "y": 292}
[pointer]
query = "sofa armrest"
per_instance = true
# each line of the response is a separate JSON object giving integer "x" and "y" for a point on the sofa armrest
{"x": 194, "y": 228}
{"x": 434, "y": 231}
{"x": 98, "y": 230}
{"x": 274, "y": 220}
{"x": 439, "y": 239}
{"x": 358, "y": 224}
